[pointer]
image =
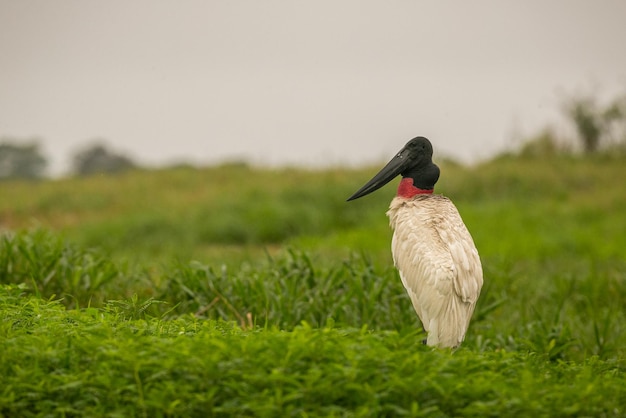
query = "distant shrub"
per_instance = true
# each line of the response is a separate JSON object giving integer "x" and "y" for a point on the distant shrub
{"x": 597, "y": 126}
{"x": 599, "y": 130}
{"x": 21, "y": 161}
{"x": 98, "y": 159}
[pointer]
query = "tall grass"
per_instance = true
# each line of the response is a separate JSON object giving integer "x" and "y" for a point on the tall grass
{"x": 537, "y": 307}
{"x": 290, "y": 289}
{"x": 55, "y": 268}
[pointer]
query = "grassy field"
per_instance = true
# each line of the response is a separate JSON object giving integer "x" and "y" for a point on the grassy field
{"x": 236, "y": 291}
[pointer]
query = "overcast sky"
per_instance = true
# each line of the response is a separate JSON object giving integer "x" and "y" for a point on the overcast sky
{"x": 289, "y": 81}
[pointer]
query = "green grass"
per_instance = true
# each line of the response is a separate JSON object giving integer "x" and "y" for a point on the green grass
{"x": 184, "y": 212}
{"x": 100, "y": 363}
{"x": 234, "y": 291}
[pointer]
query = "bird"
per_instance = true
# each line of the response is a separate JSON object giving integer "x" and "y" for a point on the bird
{"x": 432, "y": 248}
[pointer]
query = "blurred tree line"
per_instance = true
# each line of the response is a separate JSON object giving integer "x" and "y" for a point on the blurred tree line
{"x": 599, "y": 128}
{"x": 25, "y": 160}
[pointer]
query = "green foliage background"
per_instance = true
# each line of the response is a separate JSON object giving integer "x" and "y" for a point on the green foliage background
{"x": 238, "y": 291}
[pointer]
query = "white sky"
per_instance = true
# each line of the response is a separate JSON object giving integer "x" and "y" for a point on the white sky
{"x": 293, "y": 81}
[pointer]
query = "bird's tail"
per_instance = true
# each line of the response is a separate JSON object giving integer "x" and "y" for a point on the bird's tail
{"x": 449, "y": 328}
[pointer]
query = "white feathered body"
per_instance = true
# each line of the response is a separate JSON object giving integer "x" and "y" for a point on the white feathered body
{"x": 438, "y": 264}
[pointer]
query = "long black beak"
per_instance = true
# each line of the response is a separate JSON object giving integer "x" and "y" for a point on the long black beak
{"x": 393, "y": 168}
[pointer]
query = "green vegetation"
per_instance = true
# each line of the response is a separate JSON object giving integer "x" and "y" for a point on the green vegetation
{"x": 234, "y": 291}
{"x": 100, "y": 362}
{"x": 21, "y": 161}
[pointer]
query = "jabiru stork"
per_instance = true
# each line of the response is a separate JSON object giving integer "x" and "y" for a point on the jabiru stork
{"x": 432, "y": 249}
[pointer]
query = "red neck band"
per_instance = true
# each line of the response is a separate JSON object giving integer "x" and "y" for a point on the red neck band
{"x": 407, "y": 190}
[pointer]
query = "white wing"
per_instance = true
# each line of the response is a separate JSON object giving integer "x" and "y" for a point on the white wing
{"x": 438, "y": 264}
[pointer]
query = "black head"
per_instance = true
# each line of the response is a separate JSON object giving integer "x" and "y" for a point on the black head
{"x": 414, "y": 160}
